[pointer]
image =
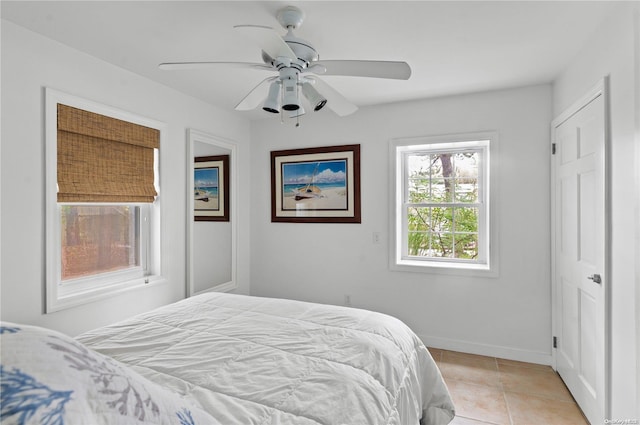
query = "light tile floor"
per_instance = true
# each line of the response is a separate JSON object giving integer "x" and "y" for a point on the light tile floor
{"x": 487, "y": 390}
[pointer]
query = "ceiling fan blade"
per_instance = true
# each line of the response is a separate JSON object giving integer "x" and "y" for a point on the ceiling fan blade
{"x": 255, "y": 96}
{"x": 335, "y": 101}
{"x": 268, "y": 40}
{"x": 176, "y": 66}
{"x": 357, "y": 68}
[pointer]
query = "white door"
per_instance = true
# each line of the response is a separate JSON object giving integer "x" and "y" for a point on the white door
{"x": 580, "y": 251}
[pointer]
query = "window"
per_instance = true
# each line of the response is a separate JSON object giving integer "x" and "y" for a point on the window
{"x": 102, "y": 210}
{"x": 441, "y": 203}
{"x": 98, "y": 242}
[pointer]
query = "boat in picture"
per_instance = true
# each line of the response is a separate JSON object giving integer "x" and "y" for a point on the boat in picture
{"x": 201, "y": 195}
{"x": 310, "y": 190}
{"x": 307, "y": 192}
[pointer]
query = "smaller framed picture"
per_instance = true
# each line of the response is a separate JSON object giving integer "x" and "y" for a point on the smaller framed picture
{"x": 211, "y": 188}
{"x": 316, "y": 185}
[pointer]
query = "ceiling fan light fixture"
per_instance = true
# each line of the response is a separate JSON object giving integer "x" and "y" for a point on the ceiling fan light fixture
{"x": 316, "y": 99}
{"x": 290, "y": 100}
{"x": 272, "y": 103}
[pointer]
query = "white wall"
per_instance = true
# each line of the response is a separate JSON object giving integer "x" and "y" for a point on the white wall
{"x": 31, "y": 62}
{"x": 613, "y": 50}
{"x": 510, "y": 315}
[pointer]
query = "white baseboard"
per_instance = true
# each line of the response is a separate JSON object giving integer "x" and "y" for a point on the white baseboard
{"x": 487, "y": 350}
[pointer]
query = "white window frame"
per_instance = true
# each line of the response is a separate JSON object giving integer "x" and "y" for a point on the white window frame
{"x": 83, "y": 290}
{"x": 486, "y": 265}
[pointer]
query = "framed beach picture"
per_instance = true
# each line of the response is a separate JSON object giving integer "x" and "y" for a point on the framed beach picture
{"x": 211, "y": 188}
{"x": 316, "y": 185}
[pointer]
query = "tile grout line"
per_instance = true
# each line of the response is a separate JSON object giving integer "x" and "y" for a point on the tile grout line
{"x": 504, "y": 393}
{"x": 506, "y": 403}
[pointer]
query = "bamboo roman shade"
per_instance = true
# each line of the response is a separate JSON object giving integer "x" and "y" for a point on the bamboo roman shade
{"x": 104, "y": 159}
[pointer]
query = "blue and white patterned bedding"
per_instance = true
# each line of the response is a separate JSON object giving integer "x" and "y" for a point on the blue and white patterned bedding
{"x": 50, "y": 379}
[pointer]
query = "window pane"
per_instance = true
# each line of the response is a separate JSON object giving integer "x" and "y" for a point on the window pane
{"x": 418, "y": 190}
{"x": 442, "y": 219}
{"x": 419, "y": 177}
{"x": 99, "y": 239}
{"x": 466, "y": 220}
{"x": 466, "y": 176}
{"x": 418, "y": 243}
{"x": 419, "y": 164}
{"x": 441, "y": 245}
{"x": 443, "y": 178}
{"x": 441, "y": 190}
{"x": 419, "y": 219}
{"x": 466, "y": 190}
{"x": 466, "y": 236}
{"x": 419, "y": 228}
{"x": 466, "y": 245}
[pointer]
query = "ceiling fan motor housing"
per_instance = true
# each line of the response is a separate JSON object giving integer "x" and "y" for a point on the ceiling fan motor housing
{"x": 291, "y": 17}
{"x": 302, "y": 48}
{"x": 304, "y": 51}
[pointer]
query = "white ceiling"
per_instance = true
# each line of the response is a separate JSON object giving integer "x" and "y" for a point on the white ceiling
{"x": 452, "y": 47}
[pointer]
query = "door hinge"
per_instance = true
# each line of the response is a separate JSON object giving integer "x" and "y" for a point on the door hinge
{"x": 553, "y": 148}
{"x": 555, "y": 342}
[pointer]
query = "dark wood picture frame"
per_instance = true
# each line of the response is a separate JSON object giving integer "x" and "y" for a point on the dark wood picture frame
{"x": 210, "y": 184}
{"x": 316, "y": 185}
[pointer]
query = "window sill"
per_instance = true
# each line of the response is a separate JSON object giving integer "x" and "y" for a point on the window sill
{"x": 444, "y": 268}
{"x": 98, "y": 293}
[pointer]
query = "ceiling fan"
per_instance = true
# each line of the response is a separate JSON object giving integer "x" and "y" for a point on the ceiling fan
{"x": 294, "y": 60}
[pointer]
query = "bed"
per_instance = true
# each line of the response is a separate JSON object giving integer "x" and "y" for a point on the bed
{"x": 226, "y": 359}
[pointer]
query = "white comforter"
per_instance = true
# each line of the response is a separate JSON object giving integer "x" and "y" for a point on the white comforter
{"x": 250, "y": 360}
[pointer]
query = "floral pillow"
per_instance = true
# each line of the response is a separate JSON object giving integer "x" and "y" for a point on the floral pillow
{"x": 49, "y": 378}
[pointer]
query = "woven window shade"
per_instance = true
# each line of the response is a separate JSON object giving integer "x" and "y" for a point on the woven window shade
{"x": 103, "y": 159}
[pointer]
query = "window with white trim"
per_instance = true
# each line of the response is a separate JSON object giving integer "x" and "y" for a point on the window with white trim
{"x": 441, "y": 203}
{"x": 102, "y": 208}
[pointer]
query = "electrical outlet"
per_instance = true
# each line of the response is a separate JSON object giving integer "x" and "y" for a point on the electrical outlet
{"x": 376, "y": 238}
{"x": 347, "y": 300}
